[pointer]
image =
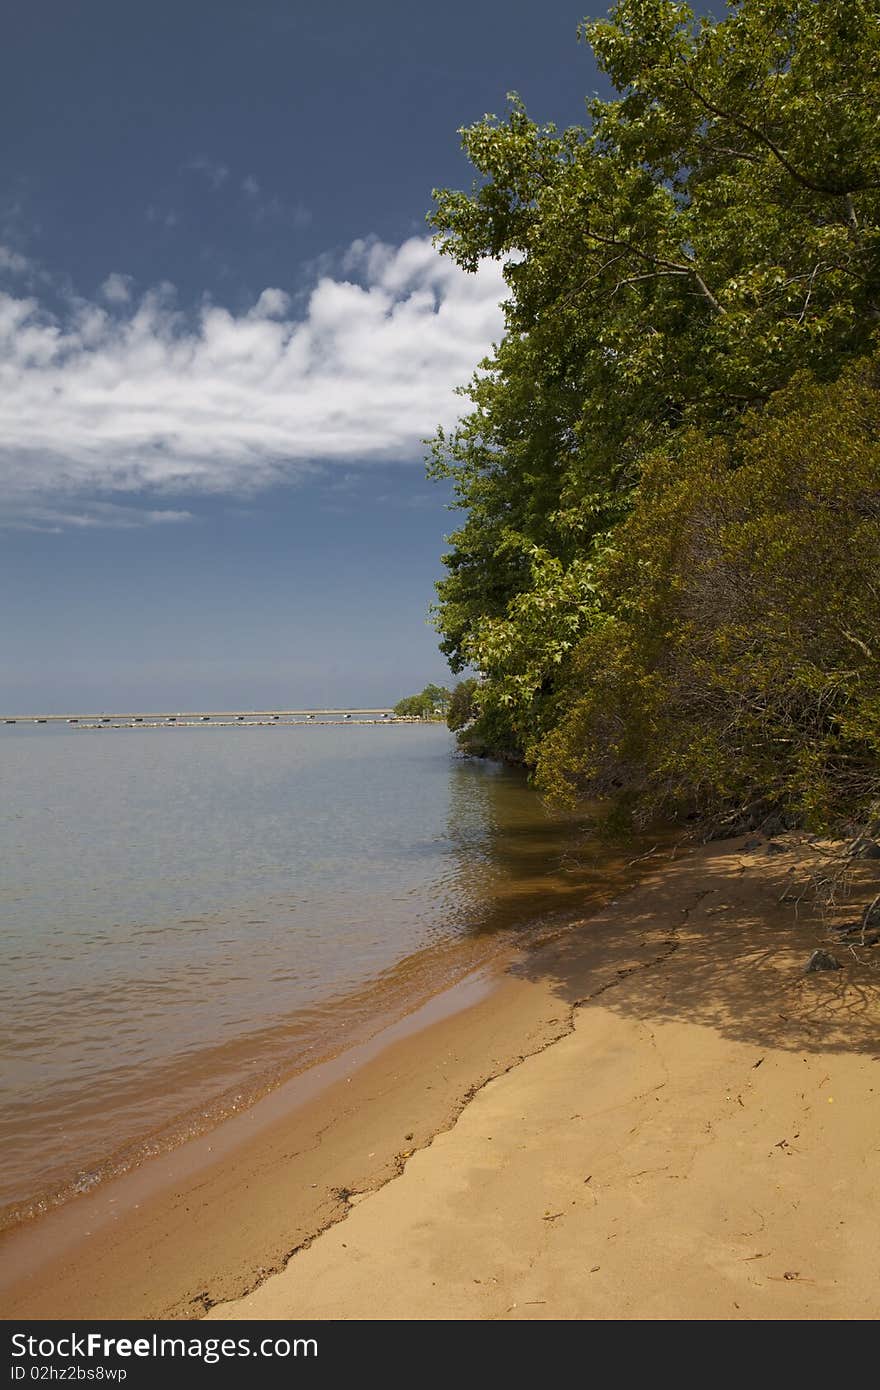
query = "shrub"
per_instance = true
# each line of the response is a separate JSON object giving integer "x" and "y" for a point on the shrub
{"x": 735, "y": 672}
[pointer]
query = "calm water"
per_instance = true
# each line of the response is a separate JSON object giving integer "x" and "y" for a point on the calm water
{"x": 190, "y": 914}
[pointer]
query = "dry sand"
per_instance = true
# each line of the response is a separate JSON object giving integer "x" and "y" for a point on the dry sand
{"x": 702, "y": 1143}
{"x": 654, "y": 1115}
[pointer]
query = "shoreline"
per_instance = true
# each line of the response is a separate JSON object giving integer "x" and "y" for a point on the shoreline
{"x": 700, "y": 1142}
{"x": 350, "y": 1022}
{"x": 141, "y": 1016}
{"x": 148, "y": 1243}
{"x": 265, "y": 1228}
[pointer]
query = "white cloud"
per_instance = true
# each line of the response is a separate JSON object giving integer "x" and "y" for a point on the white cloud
{"x": 13, "y": 261}
{"x": 152, "y": 401}
{"x": 115, "y": 288}
{"x": 40, "y": 517}
{"x": 272, "y": 304}
{"x": 250, "y": 186}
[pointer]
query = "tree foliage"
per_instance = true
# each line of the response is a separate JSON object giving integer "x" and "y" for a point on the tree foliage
{"x": 709, "y": 234}
{"x": 463, "y": 705}
{"x": 430, "y": 703}
{"x": 736, "y": 671}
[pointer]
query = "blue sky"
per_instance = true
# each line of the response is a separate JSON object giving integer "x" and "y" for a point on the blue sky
{"x": 223, "y": 334}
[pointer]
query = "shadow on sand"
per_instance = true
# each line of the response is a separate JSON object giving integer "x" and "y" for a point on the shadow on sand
{"x": 707, "y": 940}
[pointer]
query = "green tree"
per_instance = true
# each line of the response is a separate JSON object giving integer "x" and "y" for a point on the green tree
{"x": 410, "y": 707}
{"x": 436, "y": 698}
{"x": 711, "y": 232}
{"x": 431, "y": 703}
{"x": 463, "y": 704}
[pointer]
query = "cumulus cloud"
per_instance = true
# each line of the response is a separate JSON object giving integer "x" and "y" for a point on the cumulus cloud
{"x": 115, "y": 288}
{"x": 143, "y": 398}
{"x": 272, "y": 304}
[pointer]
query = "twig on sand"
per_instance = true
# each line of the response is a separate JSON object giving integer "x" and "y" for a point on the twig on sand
{"x": 640, "y": 857}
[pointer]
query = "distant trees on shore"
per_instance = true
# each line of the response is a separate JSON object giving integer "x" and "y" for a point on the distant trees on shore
{"x": 431, "y": 703}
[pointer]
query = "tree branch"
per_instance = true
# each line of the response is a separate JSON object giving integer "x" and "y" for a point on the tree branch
{"x": 649, "y": 275}
{"x": 673, "y": 266}
{"x": 734, "y": 154}
{"x": 836, "y": 190}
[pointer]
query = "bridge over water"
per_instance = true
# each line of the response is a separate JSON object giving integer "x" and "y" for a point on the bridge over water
{"x": 233, "y": 716}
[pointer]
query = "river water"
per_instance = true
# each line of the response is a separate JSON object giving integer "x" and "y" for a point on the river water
{"x": 191, "y": 914}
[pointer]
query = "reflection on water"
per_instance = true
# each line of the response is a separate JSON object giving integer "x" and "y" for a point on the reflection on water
{"x": 519, "y": 862}
{"x": 189, "y": 915}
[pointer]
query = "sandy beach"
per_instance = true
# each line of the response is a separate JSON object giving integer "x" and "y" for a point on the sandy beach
{"x": 654, "y": 1114}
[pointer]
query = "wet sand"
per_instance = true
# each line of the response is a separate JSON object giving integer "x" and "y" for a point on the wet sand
{"x": 210, "y": 1220}
{"x": 655, "y": 1114}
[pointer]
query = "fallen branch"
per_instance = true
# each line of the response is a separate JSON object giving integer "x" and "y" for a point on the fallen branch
{"x": 866, "y": 917}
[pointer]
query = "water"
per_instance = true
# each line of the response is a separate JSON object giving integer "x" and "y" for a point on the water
{"x": 188, "y": 915}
